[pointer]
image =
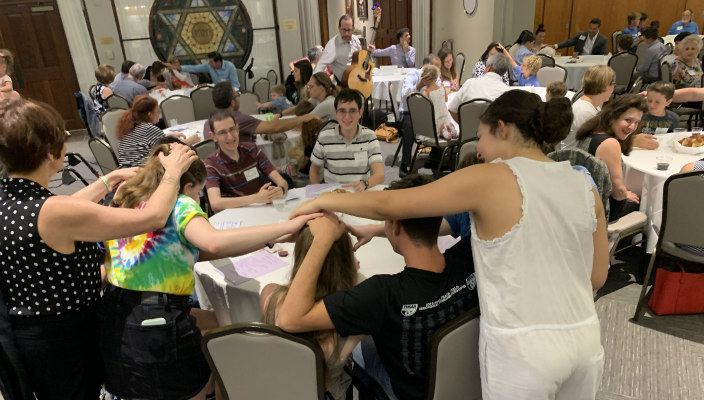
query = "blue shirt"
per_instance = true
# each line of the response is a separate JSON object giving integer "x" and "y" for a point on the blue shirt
{"x": 227, "y": 72}
{"x": 679, "y": 27}
{"x": 634, "y": 33}
{"x": 529, "y": 81}
{"x": 522, "y": 52}
{"x": 459, "y": 224}
{"x": 398, "y": 56}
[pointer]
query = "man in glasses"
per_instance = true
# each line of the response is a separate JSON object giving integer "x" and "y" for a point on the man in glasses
{"x": 338, "y": 51}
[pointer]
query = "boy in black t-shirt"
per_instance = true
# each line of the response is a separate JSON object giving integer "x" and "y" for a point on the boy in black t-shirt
{"x": 659, "y": 119}
{"x": 402, "y": 311}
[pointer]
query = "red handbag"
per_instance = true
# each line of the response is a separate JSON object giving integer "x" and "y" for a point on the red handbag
{"x": 677, "y": 292}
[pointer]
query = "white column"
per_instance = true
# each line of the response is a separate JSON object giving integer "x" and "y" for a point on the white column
{"x": 79, "y": 44}
{"x": 421, "y": 29}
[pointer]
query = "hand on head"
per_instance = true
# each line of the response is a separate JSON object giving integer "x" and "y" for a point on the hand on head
{"x": 327, "y": 226}
{"x": 179, "y": 159}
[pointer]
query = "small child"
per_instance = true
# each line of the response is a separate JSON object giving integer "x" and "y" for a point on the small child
{"x": 437, "y": 95}
{"x": 6, "y": 63}
{"x": 658, "y": 119}
{"x": 555, "y": 90}
{"x": 526, "y": 72}
{"x": 278, "y": 102}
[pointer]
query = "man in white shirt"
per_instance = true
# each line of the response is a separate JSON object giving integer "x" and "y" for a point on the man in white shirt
{"x": 338, "y": 51}
{"x": 489, "y": 87}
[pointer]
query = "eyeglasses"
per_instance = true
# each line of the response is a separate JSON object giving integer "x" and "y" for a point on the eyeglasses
{"x": 345, "y": 111}
{"x": 232, "y": 129}
{"x": 346, "y": 30}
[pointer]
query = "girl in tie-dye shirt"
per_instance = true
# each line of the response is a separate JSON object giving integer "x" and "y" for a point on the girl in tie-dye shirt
{"x": 149, "y": 342}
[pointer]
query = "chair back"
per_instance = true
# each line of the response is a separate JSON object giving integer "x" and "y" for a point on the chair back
{"x": 547, "y": 61}
{"x": 640, "y": 52}
{"x": 453, "y": 370}
{"x": 637, "y": 86}
{"x": 665, "y": 71}
{"x": 179, "y": 108}
{"x": 623, "y": 65}
{"x": 468, "y": 114}
{"x": 115, "y": 101}
{"x": 205, "y": 148}
{"x": 596, "y": 167}
{"x": 92, "y": 92}
{"x": 248, "y": 103}
{"x": 422, "y": 115}
{"x": 467, "y": 147}
{"x": 670, "y": 48}
{"x": 459, "y": 65}
{"x": 546, "y": 75}
{"x": 104, "y": 155}
{"x": 262, "y": 88}
{"x": 242, "y": 78}
{"x": 614, "y": 45}
{"x": 108, "y": 123}
{"x": 260, "y": 361}
{"x": 195, "y": 78}
{"x": 203, "y": 104}
{"x": 272, "y": 77}
{"x": 577, "y": 95}
{"x": 682, "y": 220}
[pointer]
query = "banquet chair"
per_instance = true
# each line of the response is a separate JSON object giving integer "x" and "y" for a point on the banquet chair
{"x": 104, "y": 155}
{"x": 665, "y": 71}
{"x": 640, "y": 52}
{"x": 242, "y": 78}
{"x": 117, "y": 102}
{"x": 577, "y": 95}
{"x": 422, "y": 116}
{"x": 260, "y": 361}
{"x": 205, "y": 148}
{"x": 468, "y": 147}
{"x": 272, "y": 77}
{"x": 261, "y": 88}
{"x": 248, "y": 103}
{"x": 468, "y": 114}
{"x": 179, "y": 108}
{"x": 547, "y": 61}
{"x": 108, "y": 124}
{"x": 623, "y": 65}
{"x": 203, "y": 104}
{"x": 451, "y": 376}
{"x": 546, "y": 75}
{"x": 614, "y": 38}
{"x": 195, "y": 78}
{"x": 91, "y": 92}
{"x": 682, "y": 225}
{"x": 459, "y": 65}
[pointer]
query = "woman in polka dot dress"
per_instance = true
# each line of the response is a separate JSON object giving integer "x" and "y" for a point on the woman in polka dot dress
{"x": 49, "y": 262}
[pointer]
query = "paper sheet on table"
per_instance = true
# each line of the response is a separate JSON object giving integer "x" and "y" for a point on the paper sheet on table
{"x": 185, "y": 130}
{"x": 221, "y": 226}
{"x": 292, "y": 196}
{"x": 314, "y": 190}
{"x": 252, "y": 266}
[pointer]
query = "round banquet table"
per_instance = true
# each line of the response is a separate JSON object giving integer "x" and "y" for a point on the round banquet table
{"x": 642, "y": 177}
{"x": 383, "y": 77}
{"x": 576, "y": 70}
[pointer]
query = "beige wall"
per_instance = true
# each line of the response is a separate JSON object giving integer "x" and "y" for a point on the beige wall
{"x": 511, "y": 17}
{"x": 470, "y": 34}
{"x": 102, "y": 22}
{"x": 291, "y": 44}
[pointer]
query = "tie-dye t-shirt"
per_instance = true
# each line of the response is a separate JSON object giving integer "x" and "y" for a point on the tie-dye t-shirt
{"x": 160, "y": 261}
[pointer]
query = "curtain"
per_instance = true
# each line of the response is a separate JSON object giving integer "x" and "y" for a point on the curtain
{"x": 79, "y": 43}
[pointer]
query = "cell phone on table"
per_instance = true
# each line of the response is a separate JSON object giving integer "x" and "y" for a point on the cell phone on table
{"x": 154, "y": 322}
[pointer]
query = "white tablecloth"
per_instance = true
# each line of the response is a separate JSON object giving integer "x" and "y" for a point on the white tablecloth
{"x": 196, "y": 128}
{"x": 642, "y": 177}
{"x": 671, "y": 38}
{"x": 382, "y": 78}
{"x": 576, "y": 70}
{"x": 163, "y": 94}
{"x": 241, "y": 302}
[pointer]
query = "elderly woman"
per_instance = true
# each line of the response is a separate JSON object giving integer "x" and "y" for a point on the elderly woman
{"x": 480, "y": 66}
{"x": 179, "y": 79}
{"x": 607, "y": 136}
{"x": 138, "y": 133}
{"x": 104, "y": 74}
{"x": 687, "y": 71}
{"x": 51, "y": 263}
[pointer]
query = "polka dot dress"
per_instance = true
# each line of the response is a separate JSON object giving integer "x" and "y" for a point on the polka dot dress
{"x": 34, "y": 279}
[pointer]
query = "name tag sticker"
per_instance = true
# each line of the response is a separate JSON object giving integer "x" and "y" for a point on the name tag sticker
{"x": 251, "y": 174}
{"x": 360, "y": 156}
{"x": 659, "y": 131}
{"x": 679, "y": 28}
{"x": 582, "y": 37}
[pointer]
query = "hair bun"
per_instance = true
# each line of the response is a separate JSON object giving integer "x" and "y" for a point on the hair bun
{"x": 556, "y": 119}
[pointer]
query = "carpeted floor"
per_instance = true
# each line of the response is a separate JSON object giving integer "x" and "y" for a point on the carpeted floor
{"x": 660, "y": 358}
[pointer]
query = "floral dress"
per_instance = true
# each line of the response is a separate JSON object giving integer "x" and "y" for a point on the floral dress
{"x": 684, "y": 76}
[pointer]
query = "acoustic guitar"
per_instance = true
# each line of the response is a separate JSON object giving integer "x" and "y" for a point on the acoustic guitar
{"x": 359, "y": 74}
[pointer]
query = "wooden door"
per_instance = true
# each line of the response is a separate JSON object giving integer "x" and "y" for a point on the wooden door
{"x": 33, "y": 32}
{"x": 555, "y": 15}
{"x": 396, "y": 14}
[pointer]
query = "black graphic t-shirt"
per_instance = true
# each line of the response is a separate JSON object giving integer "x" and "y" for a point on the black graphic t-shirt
{"x": 402, "y": 312}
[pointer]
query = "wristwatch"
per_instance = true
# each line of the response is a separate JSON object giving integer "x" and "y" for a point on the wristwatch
{"x": 366, "y": 183}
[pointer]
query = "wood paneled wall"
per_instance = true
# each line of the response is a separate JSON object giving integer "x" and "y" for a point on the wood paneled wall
{"x": 564, "y": 18}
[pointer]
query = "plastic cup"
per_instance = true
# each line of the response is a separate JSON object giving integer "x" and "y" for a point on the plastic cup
{"x": 680, "y": 130}
{"x": 697, "y": 129}
{"x": 663, "y": 162}
{"x": 279, "y": 204}
{"x": 173, "y": 122}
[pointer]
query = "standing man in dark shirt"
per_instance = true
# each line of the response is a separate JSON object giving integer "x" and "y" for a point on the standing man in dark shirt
{"x": 400, "y": 311}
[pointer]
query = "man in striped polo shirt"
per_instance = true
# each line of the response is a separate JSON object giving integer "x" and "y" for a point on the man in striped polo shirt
{"x": 349, "y": 153}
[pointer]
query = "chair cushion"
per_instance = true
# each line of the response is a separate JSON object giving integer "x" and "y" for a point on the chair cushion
{"x": 628, "y": 223}
{"x": 428, "y": 141}
{"x": 671, "y": 248}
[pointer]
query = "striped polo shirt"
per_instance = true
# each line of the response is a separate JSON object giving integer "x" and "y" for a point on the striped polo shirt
{"x": 238, "y": 178}
{"x": 343, "y": 161}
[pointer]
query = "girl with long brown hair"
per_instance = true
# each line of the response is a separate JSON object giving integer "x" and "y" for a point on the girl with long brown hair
{"x": 137, "y": 131}
{"x": 160, "y": 265}
{"x": 339, "y": 272}
{"x": 448, "y": 74}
